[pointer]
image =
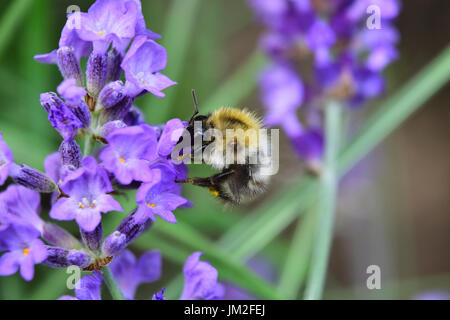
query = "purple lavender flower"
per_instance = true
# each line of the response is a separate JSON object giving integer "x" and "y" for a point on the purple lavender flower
{"x": 69, "y": 38}
{"x": 142, "y": 64}
{"x": 6, "y": 158}
{"x": 87, "y": 191}
{"x": 170, "y": 136}
{"x": 69, "y": 65}
{"x": 200, "y": 280}
{"x": 109, "y": 21}
{"x": 129, "y": 152}
{"x": 88, "y": 288}
{"x": 60, "y": 115}
{"x": 74, "y": 96}
{"x": 130, "y": 273}
{"x": 156, "y": 198}
{"x": 20, "y": 205}
{"x": 58, "y": 257}
{"x": 24, "y": 250}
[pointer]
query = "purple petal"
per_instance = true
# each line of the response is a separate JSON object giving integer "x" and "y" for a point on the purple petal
{"x": 9, "y": 263}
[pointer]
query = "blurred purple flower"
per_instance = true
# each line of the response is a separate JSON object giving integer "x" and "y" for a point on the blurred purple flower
{"x": 24, "y": 250}
{"x": 200, "y": 280}
{"x": 87, "y": 191}
{"x": 88, "y": 288}
{"x": 282, "y": 93}
{"x": 130, "y": 273}
{"x": 432, "y": 295}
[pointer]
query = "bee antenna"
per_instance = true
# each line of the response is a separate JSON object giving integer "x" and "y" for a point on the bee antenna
{"x": 195, "y": 106}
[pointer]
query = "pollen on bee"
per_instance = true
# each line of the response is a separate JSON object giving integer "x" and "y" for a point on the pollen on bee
{"x": 26, "y": 251}
{"x": 214, "y": 192}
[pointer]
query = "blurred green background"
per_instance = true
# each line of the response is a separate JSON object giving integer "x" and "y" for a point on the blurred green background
{"x": 393, "y": 209}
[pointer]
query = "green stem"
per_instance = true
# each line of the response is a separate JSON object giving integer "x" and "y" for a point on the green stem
{"x": 88, "y": 145}
{"x": 295, "y": 268}
{"x": 328, "y": 192}
{"x": 112, "y": 284}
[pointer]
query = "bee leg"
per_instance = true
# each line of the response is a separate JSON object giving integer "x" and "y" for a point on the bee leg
{"x": 209, "y": 182}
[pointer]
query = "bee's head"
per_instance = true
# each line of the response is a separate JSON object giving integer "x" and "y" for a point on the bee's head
{"x": 197, "y": 126}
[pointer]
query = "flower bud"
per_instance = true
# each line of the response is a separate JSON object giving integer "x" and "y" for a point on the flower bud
{"x": 93, "y": 239}
{"x": 112, "y": 94}
{"x": 32, "y": 179}
{"x": 68, "y": 64}
{"x": 114, "y": 244}
{"x": 96, "y": 73}
{"x": 132, "y": 227}
{"x": 59, "y": 237}
{"x": 134, "y": 117}
{"x": 63, "y": 258}
{"x": 109, "y": 127}
{"x": 82, "y": 112}
{"x": 50, "y": 100}
{"x": 60, "y": 116}
{"x": 114, "y": 62}
{"x": 118, "y": 112}
{"x": 128, "y": 230}
{"x": 70, "y": 153}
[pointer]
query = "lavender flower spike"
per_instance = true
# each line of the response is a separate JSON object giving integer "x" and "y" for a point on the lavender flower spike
{"x": 24, "y": 250}
{"x": 142, "y": 64}
{"x": 87, "y": 189}
{"x": 6, "y": 159}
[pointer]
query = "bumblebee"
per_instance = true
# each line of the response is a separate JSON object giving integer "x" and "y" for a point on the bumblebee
{"x": 232, "y": 142}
